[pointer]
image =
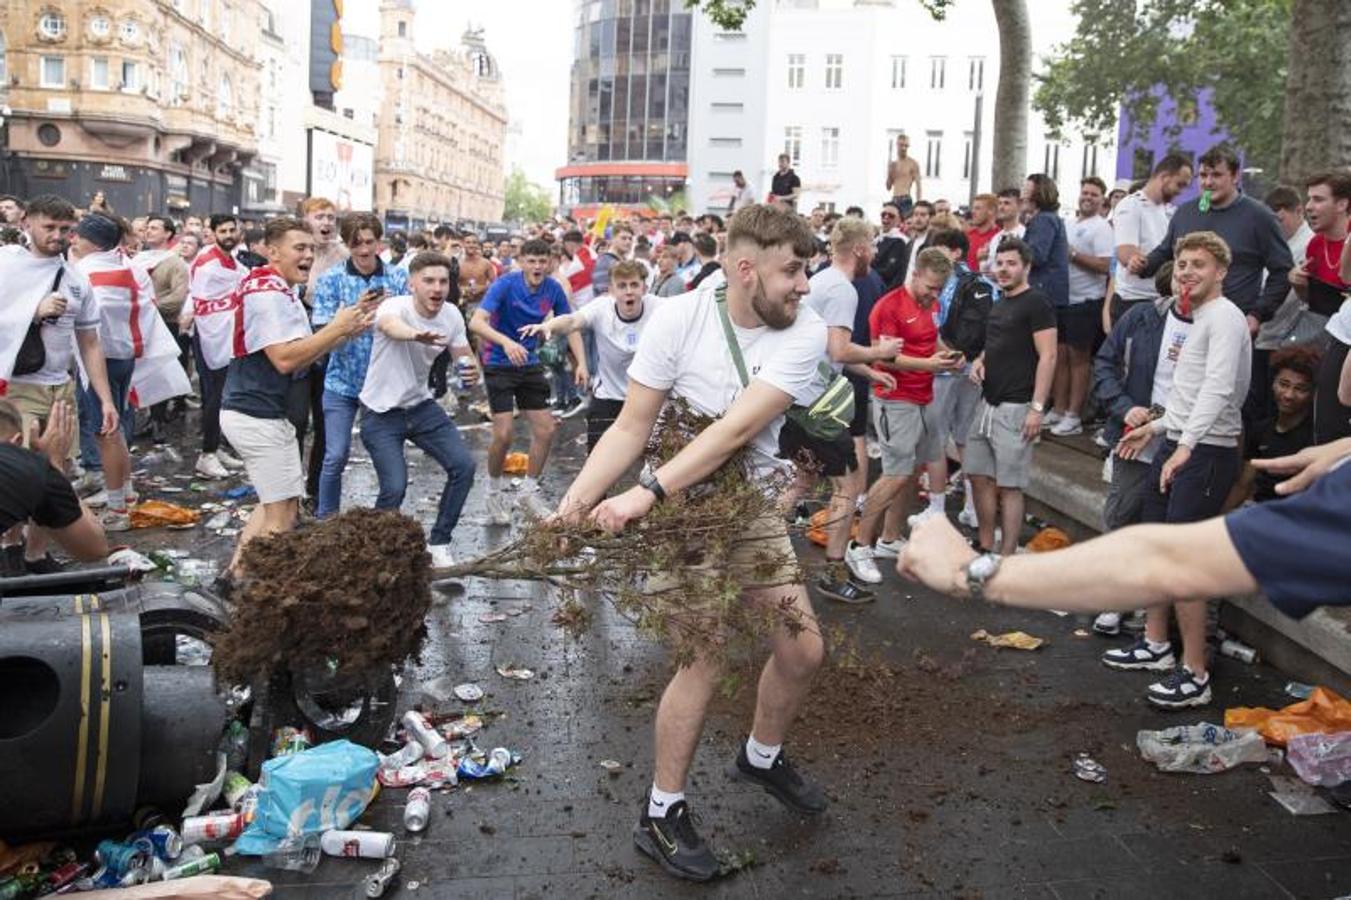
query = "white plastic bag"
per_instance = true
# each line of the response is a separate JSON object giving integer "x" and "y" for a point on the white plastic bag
{"x": 1321, "y": 759}
{"x": 1202, "y": 748}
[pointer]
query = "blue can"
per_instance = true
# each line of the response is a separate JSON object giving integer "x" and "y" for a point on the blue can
{"x": 119, "y": 859}
{"x": 161, "y": 841}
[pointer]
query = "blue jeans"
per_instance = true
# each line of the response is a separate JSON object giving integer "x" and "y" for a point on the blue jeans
{"x": 91, "y": 411}
{"x": 430, "y": 429}
{"x": 339, "y": 414}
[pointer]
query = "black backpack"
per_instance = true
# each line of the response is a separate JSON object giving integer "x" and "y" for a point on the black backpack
{"x": 964, "y": 328}
{"x": 891, "y": 261}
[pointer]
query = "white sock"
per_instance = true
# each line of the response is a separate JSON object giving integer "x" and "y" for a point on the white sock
{"x": 937, "y": 501}
{"x": 495, "y": 482}
{"x": 761, "y": 756}
{"x": 659, "y": 802}
{"x": 117, "y": 498}
{"x": 969, "y": 504}
{"x": 529, "y": 484}
{"x": 1203, "y": 678}
{"x": 1157, "y": 646}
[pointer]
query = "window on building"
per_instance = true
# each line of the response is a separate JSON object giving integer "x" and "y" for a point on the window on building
{"x": 225, "y": 97}
{"x": 933, "y": 153}
{"x": 53, "y": 72}
{"x": 797, "y": 71}
{"x": 834, "y": 71}
{"x": 100, "y": 27}
{"x": 52, "y": 26}
{"x": 975, "y": 77}
{"x": 130, "y": 32}
{"x": 1051, "y": 159}
{"x": 792, "y": 144}
{"x": 968, "y": 152}
{"x": 131, "y": 75}
{"x": 938, "y": 72}
{"x": 1090, "y": 163}
{"x": 98, "y": 73}
{"x": 830, "y": 147}
{"x": 403, "y": 29}
{"x": 4, "y": 47}
{"x": 724, "y": 142}
{"x": 178, "y": 75}
{"x": 898, "y": 72}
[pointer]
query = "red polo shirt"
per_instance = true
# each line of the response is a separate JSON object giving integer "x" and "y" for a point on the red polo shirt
{"x": 898, "y": 314}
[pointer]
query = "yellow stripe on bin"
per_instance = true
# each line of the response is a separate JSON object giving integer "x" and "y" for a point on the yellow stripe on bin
{"x": 82, "y": 741}
{"x": 105, "y": 708}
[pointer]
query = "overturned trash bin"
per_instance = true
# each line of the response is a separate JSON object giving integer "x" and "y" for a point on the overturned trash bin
{"x": 97, "y": 717}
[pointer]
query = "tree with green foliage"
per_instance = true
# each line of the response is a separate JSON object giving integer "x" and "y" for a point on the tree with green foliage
{"x": 525, "y": 200}
{"x": 1135, "y": 55}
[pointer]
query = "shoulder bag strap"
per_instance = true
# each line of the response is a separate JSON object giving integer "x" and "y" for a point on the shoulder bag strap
{"x": 730, "y": 334}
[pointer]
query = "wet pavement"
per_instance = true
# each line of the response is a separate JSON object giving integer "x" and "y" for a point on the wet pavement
{"x": 957, "y": 783}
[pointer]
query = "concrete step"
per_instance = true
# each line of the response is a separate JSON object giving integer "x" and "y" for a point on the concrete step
{"x": 1067, "y": 483}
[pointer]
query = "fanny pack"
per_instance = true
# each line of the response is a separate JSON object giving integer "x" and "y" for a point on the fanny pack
{"x": 829, "y": 416}
{"x": 32, "y": 355}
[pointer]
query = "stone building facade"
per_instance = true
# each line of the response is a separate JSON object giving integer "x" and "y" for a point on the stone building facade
{"x": 442, "y": 129}
{"x": 152, "y": 102}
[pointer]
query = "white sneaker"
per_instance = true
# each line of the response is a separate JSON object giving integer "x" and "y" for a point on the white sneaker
{"x": 499, "y": 511}
{"x": 889, "y": 549}
{"x": 115, "y": 520}
{"x": 88, "y": 483}
{"x": 209, "y": 466}
{"x": 1067, "y": 426}
{"x": 97, "y": 501}
{"x": 1100, "y": 438}
{"x": 229, "y": 460}
{"x": 441, "y": 556}
{"x": 967, "y": 517}
{"x": 535, "y": 504}
{"x": 1107, "y": 623}
{"x": 859, "y": 559}
{"x": 1050, "y": 420}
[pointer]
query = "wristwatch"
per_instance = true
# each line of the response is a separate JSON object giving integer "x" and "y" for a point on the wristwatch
{"x": 1037, "y": 407}
{"x": 648, "y": 479}
{"x": 979, "y": 571}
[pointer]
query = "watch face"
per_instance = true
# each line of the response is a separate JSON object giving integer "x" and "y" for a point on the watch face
{"x": 984, "y": 566}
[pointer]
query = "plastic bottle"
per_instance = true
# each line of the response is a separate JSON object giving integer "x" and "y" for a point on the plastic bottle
{"x": 411, "y": 753}
{"x": 235, "y": 745}
{"x": 297, "y": 853}
{"x": 418, "y": 809}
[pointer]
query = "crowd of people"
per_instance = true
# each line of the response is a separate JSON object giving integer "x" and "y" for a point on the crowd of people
{"x": 1209, "y": 341}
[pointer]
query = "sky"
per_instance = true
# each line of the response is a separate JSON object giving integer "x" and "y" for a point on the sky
{"x": 532, "y": 41}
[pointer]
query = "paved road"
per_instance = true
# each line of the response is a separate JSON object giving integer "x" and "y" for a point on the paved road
{"x": 951, "y": 777}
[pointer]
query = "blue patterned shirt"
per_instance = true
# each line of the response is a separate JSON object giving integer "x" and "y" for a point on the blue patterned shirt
{"x": 341, "y": 286}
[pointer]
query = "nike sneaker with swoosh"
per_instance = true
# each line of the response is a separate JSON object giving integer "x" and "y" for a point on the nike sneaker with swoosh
{"x": 672, "y": 841}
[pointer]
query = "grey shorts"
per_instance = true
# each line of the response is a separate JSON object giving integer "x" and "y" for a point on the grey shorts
{"x": 996, "y": 449}
{"x": 956, "y": 399}
{"x": 907, "y": 433}
{"x": 1125, "y": 498}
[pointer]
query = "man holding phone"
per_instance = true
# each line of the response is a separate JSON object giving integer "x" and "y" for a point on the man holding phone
{"x": 364, "y": 280}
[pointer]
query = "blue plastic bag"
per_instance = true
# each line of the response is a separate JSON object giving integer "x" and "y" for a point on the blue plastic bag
{"x": 310, "y": 792}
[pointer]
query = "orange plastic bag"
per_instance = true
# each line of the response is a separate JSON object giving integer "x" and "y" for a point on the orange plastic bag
{"x": 516, "y": 464}
{"x": 157, "y": 514}
{"x": 1049, "y": 538}
{"x": 816, "y": 531}
{"x": 1325, "y": 711}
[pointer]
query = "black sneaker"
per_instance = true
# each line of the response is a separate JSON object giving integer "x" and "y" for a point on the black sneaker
{"x": 45, "y": 566}
{"x": 672, "y": 841}
{"x": 844, "y": 590}
{"x": 784, "y": 782}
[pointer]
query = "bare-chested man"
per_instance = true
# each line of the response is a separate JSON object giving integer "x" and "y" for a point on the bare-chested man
{"x": 476, "y": 271}
{"x": 902, "y": 175}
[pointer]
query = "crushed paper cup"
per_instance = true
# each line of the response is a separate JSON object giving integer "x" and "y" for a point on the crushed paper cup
{"x": 1014, "y": 640}
{"x": 519, "y": 673}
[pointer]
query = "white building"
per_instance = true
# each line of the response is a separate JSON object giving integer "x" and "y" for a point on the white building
{"x": 833, "y": 82}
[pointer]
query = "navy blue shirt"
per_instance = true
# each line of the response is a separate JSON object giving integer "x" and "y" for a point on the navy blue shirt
{"x": 510, "y": 304}
{"x": 870, "y": 289}
{"x": 1050, "y": 274}
{"x": 1296, "y": 548}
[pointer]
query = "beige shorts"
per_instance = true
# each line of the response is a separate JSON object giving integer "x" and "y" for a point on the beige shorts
{"x": 995, "y": 447}
{"x": 34, "y": 402}
{"x": 270, "y": 454}
{"x": 764, "y": 553}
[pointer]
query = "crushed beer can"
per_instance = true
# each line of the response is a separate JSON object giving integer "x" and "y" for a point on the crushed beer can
{"x": 378, "y": 881}
{"x": 213, "y": 827}
{"x": 288, "y": 739}
{"x": 161, "y": 841}
{"x": 1088, "y": 769}
{"x": 201, "y": 866}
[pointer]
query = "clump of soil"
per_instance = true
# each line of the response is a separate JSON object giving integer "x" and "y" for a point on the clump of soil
{"x": 350, "y": 591}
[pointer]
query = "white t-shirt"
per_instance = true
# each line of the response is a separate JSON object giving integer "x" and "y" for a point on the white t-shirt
{"x": 835, "y": 300}
{"x": 616, "y": 341}
{"x": 684, "y": 350}
{"x": 993, "y": 250}
{"x": 58, "y": 338}
{"x": 1175, "y": 330}
{"x": 1091, "y": 237}
{"x": 397, "y": 375}
{"x": 1143, "y": 223}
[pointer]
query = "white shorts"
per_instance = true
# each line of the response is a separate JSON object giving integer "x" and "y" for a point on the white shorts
{"x": 270, "y": 454}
